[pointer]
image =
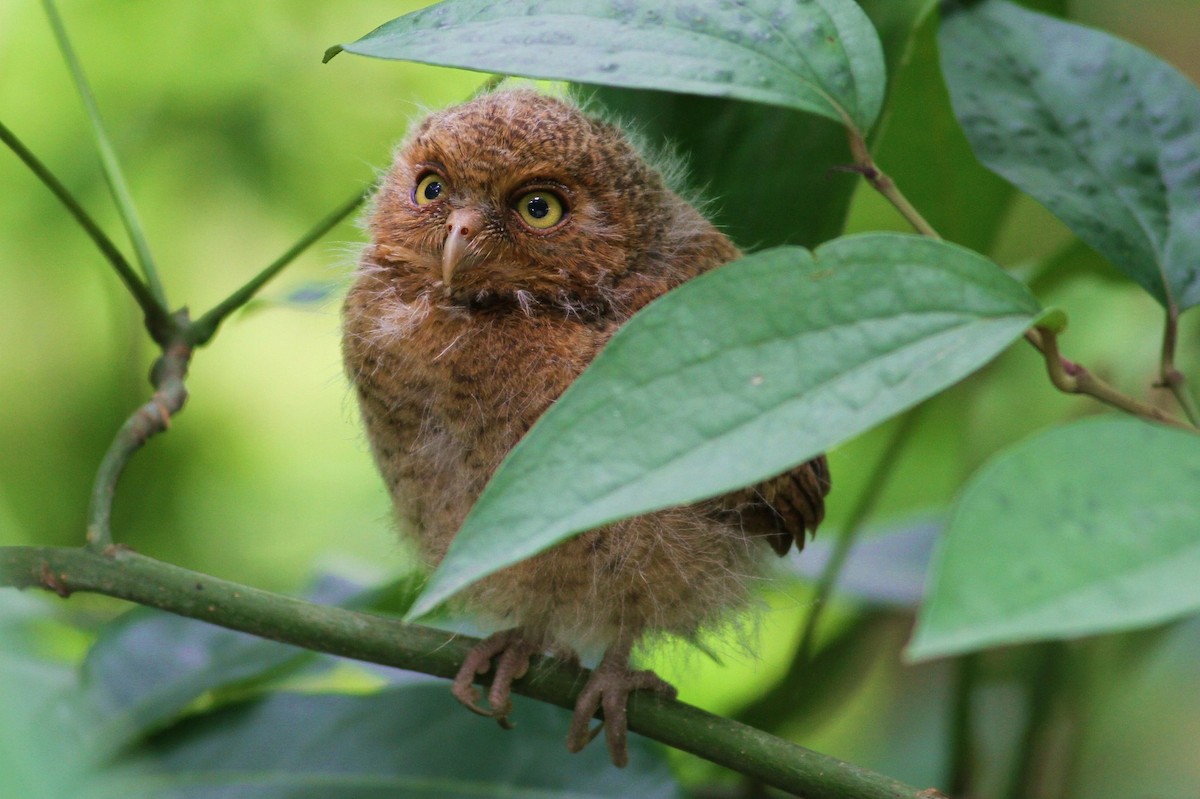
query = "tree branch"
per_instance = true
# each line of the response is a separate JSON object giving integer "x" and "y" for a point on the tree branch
{"x": 122, "y": 573}
{"x": 157, "y": 318}
{"x": 150, "y": 419}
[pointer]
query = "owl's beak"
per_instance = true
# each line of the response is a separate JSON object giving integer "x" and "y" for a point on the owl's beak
{"x": 461, "y": 227}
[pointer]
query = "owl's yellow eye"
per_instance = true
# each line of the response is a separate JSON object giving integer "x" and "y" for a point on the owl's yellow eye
{"x": 541, "y": 209}
{"x": 429, "y": 188}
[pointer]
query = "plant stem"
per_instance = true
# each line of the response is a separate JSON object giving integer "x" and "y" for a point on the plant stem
{"x": 1170, "y": 377}
{"x": 882, "y": 183}
{"x": 108, "y": 158}
{"x": 1072, "y": 378}
{"x": 962, "y": 737}
{"x": 204, "y": 328}
{"x": 1069, "y": 377}
{"x": 1041, "y": 689}
{"x": 150, "y": 419}
{"x": 157, "y": 317}
{"x": 863, "y": 506}
{"x": 122, "y": 573}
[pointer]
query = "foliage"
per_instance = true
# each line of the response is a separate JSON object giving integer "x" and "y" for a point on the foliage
{"x": 1085, "y": 528}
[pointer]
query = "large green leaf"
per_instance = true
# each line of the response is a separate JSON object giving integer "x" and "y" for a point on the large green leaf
{"x": 1087, "y": 528}
{"x": 736, "y": 376}
{"x": 148, "y": 666}
{"x": 1101, "y": 132}
{"x": 820, "y": 56}
{"x": 767, "y": 173}
{"x": 413, "y": 742}
{"x": 49, "y": 747}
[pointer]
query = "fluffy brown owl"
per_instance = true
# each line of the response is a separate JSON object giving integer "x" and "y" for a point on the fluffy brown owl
{"x": 509, "y": 240}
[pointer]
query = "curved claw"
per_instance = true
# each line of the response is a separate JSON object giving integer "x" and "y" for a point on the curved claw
{"x": 512, "y": 651}
{"x": 608, "y": 690}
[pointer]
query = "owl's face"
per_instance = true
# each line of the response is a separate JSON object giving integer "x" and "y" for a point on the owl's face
{"x": 517, "y": 197}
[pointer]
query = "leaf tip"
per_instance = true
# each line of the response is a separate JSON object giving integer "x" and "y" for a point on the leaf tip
{"x": 331, "y": 52}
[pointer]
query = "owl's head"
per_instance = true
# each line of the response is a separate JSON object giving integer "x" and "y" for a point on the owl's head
{"x": 520, "y": 197}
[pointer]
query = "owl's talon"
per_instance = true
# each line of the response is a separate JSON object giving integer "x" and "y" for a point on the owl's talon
{"x": 608, "y": 691}
{"x": 511, "y": 651}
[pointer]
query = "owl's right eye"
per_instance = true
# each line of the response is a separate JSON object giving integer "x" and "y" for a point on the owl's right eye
{"x": 429, "y": 188}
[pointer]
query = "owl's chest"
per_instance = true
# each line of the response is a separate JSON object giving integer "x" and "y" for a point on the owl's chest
{"x": 446, "y": 383}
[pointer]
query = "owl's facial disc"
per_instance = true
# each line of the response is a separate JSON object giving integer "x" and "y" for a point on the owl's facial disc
{"x": 461, "y": 227}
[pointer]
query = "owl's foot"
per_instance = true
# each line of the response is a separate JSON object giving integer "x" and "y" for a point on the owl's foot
{"x": 608, "y": 690}
{"x": 511, "y": 650}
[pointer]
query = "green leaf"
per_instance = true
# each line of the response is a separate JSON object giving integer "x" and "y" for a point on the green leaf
{"x": 767, "y": 173}
{"x": 1102, "y": 133}
{"x": 48, "y": 745}
{"x": 821, "y": 56}
{"x": 1088, "y": 528}
{"x": 148, "y": 666}
{"x": 413, "y": 741}
{"x": 736, "y": 376}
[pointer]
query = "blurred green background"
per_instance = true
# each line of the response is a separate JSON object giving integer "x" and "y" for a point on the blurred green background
{"x": 235, "y": 139}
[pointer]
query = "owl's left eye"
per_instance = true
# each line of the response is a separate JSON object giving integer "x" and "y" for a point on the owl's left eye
{"x": 429, "y": 188}
{"x": 541, "y": 209}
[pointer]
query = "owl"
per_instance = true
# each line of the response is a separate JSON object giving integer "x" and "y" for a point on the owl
{"x": 510, "y": 239}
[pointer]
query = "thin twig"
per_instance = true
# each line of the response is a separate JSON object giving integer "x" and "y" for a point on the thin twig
{"x": 150, "y": 419}
{"x": 863, "y": 507}
{"x": 119, "y": 572}
{"x": 1170, "y": 377}
{"x": 203, "y": 329}
{"x": 1068, "y": 376}
{"x": 157, "y": 318}
{"x": 1072, "y": 378}
{"x": 108, "y": 158}
{"x": 882, "y": 183}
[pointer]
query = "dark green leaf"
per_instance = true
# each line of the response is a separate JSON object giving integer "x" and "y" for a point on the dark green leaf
{"x": 412, "y": 742}
{"x": 1088, "y": 528}
{"x": 736, "y": 376}
{"x": 48, "y": 743}
{"x": 148, "y": 666}
{"x": 1102, "y": 133}
{"x": 768, "y": 173}
{"x": 821, "y": 56}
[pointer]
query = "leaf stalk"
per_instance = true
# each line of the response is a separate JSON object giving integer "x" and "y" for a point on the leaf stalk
{"x": 1073, "y": 378}
{"x": 1171, "y": 378}
{"x": 203, "y": 329}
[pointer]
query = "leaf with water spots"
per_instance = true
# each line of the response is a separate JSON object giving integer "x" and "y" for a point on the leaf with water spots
{"x": 769, "y": 173}
{"x": 821, "y": 56}
{"x": 1099, "y": 131}
{"x": 1089, "y": 528}
{"x": 738, "y": 375}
